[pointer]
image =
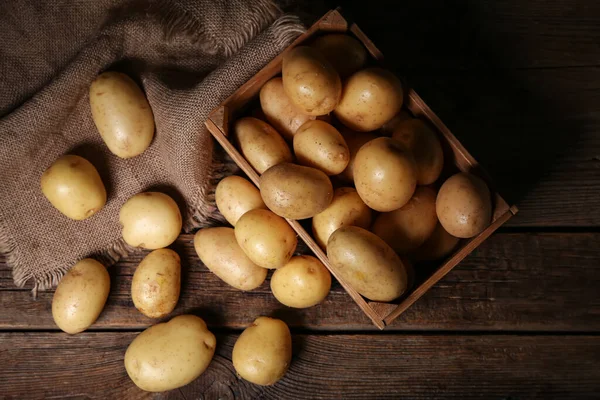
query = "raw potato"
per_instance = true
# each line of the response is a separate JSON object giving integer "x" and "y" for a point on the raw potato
{"x": 438, "y": 246}
{"x": 346, "y": 208}
{"x": 170, "y": 355}
{"x": 310, "y": 81}
{"x": 319, "y": 145}
{"x": 80, "y": 296}
{"x": 354, "y": 140}
{"x": 303, "y": 282}
{"x": 295, "y": 192}
{"x": 150, "y": 220}
{"x": 121, "y": 114}
{"x": 368, "y": 264}
{"x": 371, "y": 97}
{"x": 263, "y": 352}
{"x": 407, "y": 228}
{"x": 218, "y": 249}
{"x": 235, "y": 196}
{"x": 464, "y": 206}
{"x": 385, "y": 174}
{"x": 260, "y": 144}
{"x": 346, "y": 54}
{"x": 279, "y": 110}
{"x": 388, "y": 128}
{"x": 72, "y": 185}
{"x": 156, "y": 283}
{"x": 266, "y": 238}
{"x": 425, "y": 147}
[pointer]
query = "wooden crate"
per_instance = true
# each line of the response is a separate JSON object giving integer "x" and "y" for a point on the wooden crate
{"x": 237, "y": 105}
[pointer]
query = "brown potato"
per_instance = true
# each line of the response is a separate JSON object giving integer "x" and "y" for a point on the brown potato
{"x": 346, "y": 54}
{"x": 388, "y": 128}
{"x": 319, "y": 145}
{"x": 438, "y": 246}
{"x": 302, "y": 282}
{"x": 354, "y": 140}
{"x": 235, "y": 196}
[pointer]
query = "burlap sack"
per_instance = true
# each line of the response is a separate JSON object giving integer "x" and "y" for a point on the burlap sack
{"x": 188, "y": 55}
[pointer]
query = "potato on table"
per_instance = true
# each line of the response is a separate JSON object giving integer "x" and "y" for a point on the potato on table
{"x": 303, "y": 282}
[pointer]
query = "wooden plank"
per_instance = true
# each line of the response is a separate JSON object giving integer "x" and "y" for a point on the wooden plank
{"x": 517, "y": 282}
{"x": 90, "y": 365}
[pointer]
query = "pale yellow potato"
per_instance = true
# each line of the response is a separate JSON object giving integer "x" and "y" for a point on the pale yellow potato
{"x": 319, "y": 145}
{"x": 294, "y": 191}
{"x": 346, "y": 54}
{"x": 354, "y": 140}
{"x": 235, "y": 196}
{"x": 218, "y": 249}
{"x": 437, "y": 246}
{"x": 156, "y": 283}
{"x": 302, "y": 282}
{"x": 371, "y": 97}
{"x": 279, "y": 110}
{"x": 367, "y": 263}
{"x": 150, "y": 220}
{"x": 425, "y": 147}
{"x": 121, "y": 114}
{"x": 72, "y": 185}
{"x": 385, "y": 174}
{"x": 407, "y": 228}
{"x": 263, "y": 352}
{"x": 260, "y": 144}
{"x": 310, "y": 81}
{"x": 346, "y": 209}
{"x": 80, "y": 296}
{"x": 171, "y": 354}
{"x": 464, "y": 205}
{"x": 266, "y": 238}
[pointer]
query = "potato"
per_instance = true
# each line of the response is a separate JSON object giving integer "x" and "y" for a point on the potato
{"x": 346, "y": 208}
{"x": 346, "y": 54}
{"x": 310, "y": 81}
{"x": 303, "y": 282}
{"x": 354, "y": 140}
{"x": 235, "y": 196}
{"x": 406, "y": 228}
{"x": 150, "y": 220}
{"x": 80, "y": 296}
{"x": 156, "y": 283}
{"x": 170, "y": 355}
{"x": 367, "y": 263}
{"x": 388, "y": 128}
{"x": 279, "y": 110}
{"x": 260, "y": 144}
{"x": 385, "y": 174}
{"x": 295, "y": 192}
{"x": 371, "y": 97}
{"x": 425, "y": 147}
{"x": 437, "y": 246}
{"x": 72, "y": 185}
{"x": 464, "y": 206}
{"x": 218, "y": 249}
{"x": 121, "y": 114}
{"x": 266, "y": 238}
{"x": 319, "y": 145}
{"x": 263, "y": 352}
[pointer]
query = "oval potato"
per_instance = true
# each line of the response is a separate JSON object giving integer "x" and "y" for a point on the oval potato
{"x": 346, "y": 54}
{"x": 437, "y": 246}
{"x": 80, "y": 296}
{"x": 319, "y": 145}
{"x": 235, "y": 196}
{"x": 354, "y": 141}
{"x": 121, "y": 114}
{"x": 302, "y": 282}
{"x": 73, "y": 186}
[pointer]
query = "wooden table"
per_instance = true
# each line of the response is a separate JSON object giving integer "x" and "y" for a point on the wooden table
{"x": 519, "y": 83}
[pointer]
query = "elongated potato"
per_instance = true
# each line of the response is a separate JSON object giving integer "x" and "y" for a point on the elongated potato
{"x": 235, "y": 196}
{"x": 346, "y": 54}
{"x": 319, "y": 145}
{"x": 121, "y": 114}
{"x": 302, "y": 282}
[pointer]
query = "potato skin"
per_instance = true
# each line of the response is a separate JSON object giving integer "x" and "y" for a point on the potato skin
{"x": 385, "y": 174}
{"x": 235, "y": 196}
{"x": 260, "y": 144}
{"x": 464, "y": 205}
{"x": 354, "y": 141}
{"x": 319, "y": 145}
{"x": 437, "y": 246}
{"x": 121, "y": 114}
{"x": 74, "y": 187}
{"x": 80, "y": 296}
{"x": 218, "y": 249}
{"x": 156, "y": 283}
{"x": 346, "y": 208}
{"x": 367, "y": 263}
{"x": 310, "y": 81}
{"x": 302, "y": 282}
{"x": 371, "y": 97}
{"x": 171, "y": 354}
{"x": 150, "y": 220}
{"x": 294, "y": 191}
{"x": 346, "y": 54}
{"x": 263, "y": 352}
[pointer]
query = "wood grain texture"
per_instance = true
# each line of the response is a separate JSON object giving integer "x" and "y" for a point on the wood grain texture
{"x": 517, "y": 282}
